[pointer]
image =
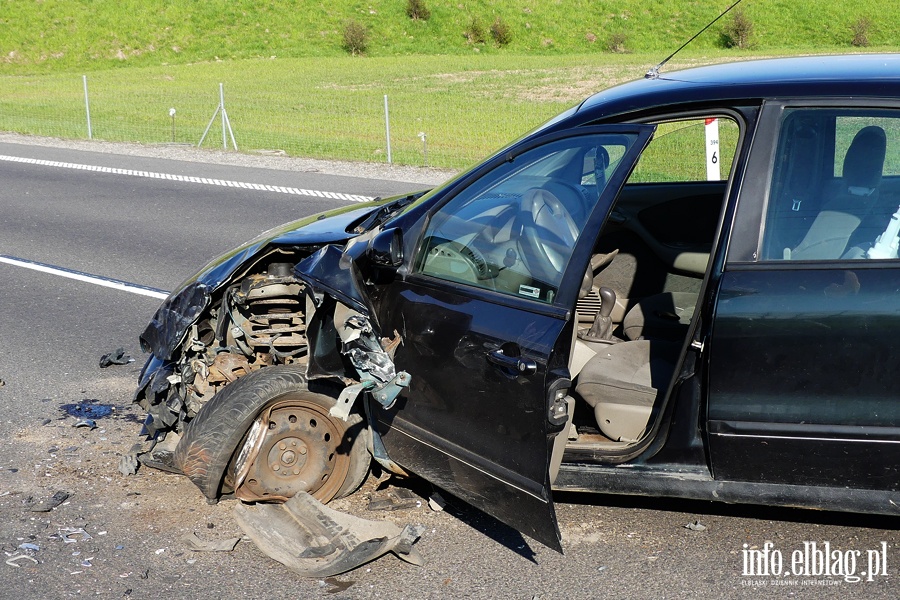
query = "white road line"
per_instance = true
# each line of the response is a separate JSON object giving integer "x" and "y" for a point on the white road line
{"x": 189, "y": 179}
{"x": 115, "y": 284}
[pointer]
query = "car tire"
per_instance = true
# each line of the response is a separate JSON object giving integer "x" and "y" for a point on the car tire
{"x": 212, "y": 440}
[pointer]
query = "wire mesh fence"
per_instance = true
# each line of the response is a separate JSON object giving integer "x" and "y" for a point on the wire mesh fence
{"x": 447, "y": 119}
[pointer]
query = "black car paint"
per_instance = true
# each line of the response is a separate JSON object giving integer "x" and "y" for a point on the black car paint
{"x": 781, "y": 390}
{"x": 685, "y": 456}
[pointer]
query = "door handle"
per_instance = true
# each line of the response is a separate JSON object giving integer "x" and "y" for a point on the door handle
{"x": 516, "y": 363}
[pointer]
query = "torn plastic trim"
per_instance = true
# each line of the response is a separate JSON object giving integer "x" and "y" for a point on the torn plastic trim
{"x": 376, "y": 446}
{"x": 316, "y": 541}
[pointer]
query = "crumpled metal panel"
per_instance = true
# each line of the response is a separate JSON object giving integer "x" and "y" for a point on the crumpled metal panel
{"x": 176, "y": 314}
{"x": 332, "y": 271}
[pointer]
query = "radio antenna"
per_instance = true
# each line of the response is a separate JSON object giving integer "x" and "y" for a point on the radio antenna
{"x": 654, "y": 72}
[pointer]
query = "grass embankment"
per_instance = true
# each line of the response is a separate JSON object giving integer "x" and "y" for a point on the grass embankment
{"x": 53, "y": 35}
{"x": 290, "y": 86}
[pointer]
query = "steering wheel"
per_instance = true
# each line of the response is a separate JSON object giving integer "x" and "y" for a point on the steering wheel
{"x": 547, "y": 233}
{"x": 468, "y": 254}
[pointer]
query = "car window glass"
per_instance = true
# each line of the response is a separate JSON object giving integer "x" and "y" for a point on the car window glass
{"x": 689, "y": 150}
{"x": 835, "y": 186}
{"x": 513, "y": 231}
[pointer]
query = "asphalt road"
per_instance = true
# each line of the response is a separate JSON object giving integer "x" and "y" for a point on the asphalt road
{"x": 155, "y": 232}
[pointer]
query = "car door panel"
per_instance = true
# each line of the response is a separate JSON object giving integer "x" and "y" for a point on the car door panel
{"x": 488, "y": 363}
{"x": 454, "y": 401}
{"x": 802, "y": 386}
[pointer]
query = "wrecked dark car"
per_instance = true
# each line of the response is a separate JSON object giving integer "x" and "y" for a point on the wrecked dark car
{"x": 685, "y": 286}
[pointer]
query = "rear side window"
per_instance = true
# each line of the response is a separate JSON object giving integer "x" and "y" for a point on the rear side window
{"x": 835, "y": 186}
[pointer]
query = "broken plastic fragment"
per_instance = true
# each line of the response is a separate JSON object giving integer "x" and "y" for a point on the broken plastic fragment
{"x": 29, "y": 546}
{"x": 13, "y": 561}
{"x": 695, "y": 526}
{"x": 128, "y": 464}
{"x": 90, "y": 423}
{"x": 116, "y": 357}
{"x": 436, "y": 502}
{"x": 315, "y": 541}
{"x": 193, "y": 542}
{"x": 393, "y": 499}
{"x": 71, "y": 535}
{"x": 50, "y": 503}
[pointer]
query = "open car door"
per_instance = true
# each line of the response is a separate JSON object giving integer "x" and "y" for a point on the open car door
{"x": 486, "y": 317}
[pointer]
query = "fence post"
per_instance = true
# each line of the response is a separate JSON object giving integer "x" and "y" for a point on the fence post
{"x": 224, "y": 128}
{"x": 226, "y": 122}
{"x": 387, "y": 128}
{"x": 87, "y": 108}
{"x": 424, "y": 138}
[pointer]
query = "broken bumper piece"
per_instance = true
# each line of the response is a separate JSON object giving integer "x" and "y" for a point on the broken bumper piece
{"x": 315, "y": 541}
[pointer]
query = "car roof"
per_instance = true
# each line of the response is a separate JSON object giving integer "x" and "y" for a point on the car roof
{"x": 868, "y": 75}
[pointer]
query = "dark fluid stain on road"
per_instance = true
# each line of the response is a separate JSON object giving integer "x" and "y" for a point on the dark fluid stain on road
{"x": 88, "y": 409}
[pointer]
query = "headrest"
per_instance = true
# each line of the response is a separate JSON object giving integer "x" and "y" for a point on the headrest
{"x": 864, "y": 161}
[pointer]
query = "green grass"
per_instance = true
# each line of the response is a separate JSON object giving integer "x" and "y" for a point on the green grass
{"x": 323, "y": 107}
{"x": 54, "y": 35}
{"x": 290, "y": 86}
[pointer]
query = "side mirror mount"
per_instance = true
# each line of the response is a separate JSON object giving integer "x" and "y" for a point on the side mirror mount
{"x": 386, "y": 248}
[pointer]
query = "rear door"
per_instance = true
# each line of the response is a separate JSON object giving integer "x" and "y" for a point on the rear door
{"x": 803, "y": 381}
{"x": 486, "y": 317}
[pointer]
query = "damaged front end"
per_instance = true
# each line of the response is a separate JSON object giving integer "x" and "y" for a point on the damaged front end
{"x": 255, "y": 388}
{"x": 203, "y": 341}
{"x": 340, "y": 312}
{"x": 242, "y": 312}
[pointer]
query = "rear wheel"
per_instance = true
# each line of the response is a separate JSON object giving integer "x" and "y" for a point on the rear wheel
{"x": 268, "y": 436}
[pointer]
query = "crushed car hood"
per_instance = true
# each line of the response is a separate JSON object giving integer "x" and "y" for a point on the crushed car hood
{"x": 170, "y": 323}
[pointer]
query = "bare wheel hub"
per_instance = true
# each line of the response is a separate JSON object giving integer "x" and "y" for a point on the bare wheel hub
{"x": 288, "y": 456}
{"x": 292, "y": 447}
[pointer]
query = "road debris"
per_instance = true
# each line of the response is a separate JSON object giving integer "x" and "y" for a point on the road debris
{"x": 128, "y": 464}
{"x": 695, "y": 526}
{"x": 437, "y": 502}
{"x": 89, "y": 408}
{"x": 337, "y": 586}
{"x": 194, "y": 543}
{"x": 116, "y": 357}
{"x": 70, "y": 535}
{"x": 316, "y": 541}
{"x": 50, "y": 503}
{"x": 89, "y": 423}
{"x": 29, "y": 546}
{"x": 393, "y": 499}
{"x": 14, "y": 561}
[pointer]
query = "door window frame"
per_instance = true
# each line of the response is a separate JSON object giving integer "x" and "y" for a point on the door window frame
{"x": 564, "y": 301}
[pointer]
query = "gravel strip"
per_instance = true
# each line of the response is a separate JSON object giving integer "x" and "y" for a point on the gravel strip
{"x": 423, "y": 175}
